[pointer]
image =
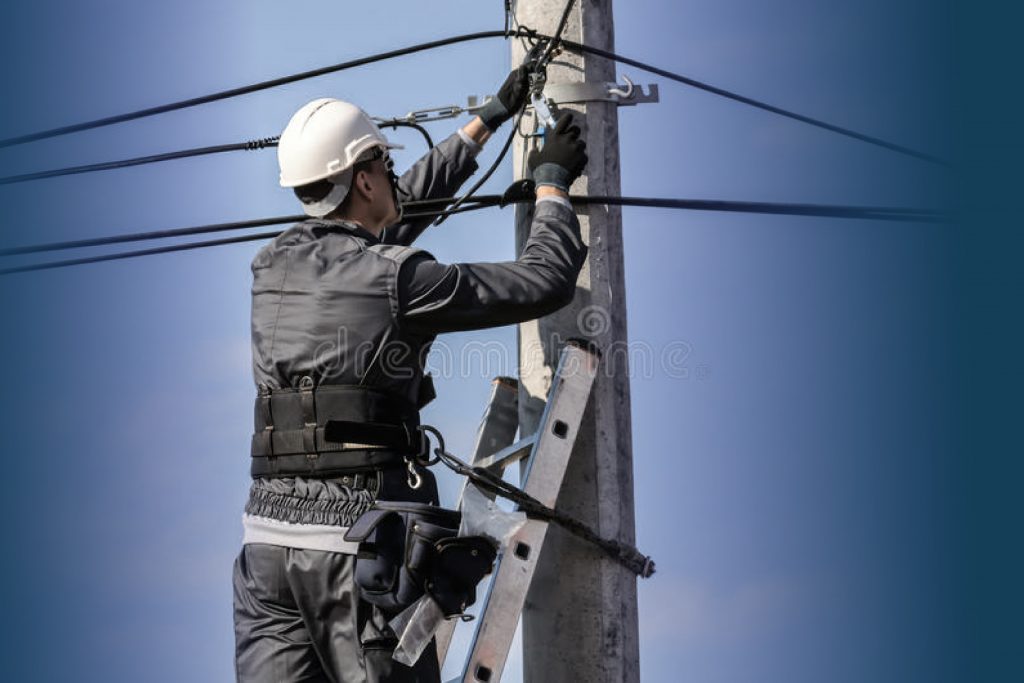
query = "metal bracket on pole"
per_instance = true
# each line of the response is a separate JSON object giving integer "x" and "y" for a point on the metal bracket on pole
{"x": 547, "y": 455}
{"x": 625, "y": 96}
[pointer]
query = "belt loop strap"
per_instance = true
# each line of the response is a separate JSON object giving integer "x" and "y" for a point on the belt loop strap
{"x": 266, "y": 417}
{"x": 307, "y": 399}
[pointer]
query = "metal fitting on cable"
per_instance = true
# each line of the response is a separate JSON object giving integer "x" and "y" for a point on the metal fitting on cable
{"x": 262, "y": 143}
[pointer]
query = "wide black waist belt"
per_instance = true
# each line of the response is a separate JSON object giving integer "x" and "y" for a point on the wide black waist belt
{"x": 331, "y": 429}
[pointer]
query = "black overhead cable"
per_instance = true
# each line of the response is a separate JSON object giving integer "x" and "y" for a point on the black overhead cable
{"x": 153, "y": 235}
{"x": 454, "y": 208}
{"x": 204, "y": 229}
{"x": 261, "y": 143}
{"x": 899, "y": 215}
{"x": 525, "y": 32}
{"x": 818, "y": 123}
{"x": 49, "y": 265}
{"x": 409, "y": 124}
{"x": 425, "y": 209}
{"x": 492, "y": 200}
{"x": 183, "y": 154}
{"x": 556, "y": 40}
{"x": 245, "y": 89}
{"x": 139, "y": 161}
{"x": 542, "y": 63}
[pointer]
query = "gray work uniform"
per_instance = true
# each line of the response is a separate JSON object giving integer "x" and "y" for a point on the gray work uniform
{"x": 333, "y": 305}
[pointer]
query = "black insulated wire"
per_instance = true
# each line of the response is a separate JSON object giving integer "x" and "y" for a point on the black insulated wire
{"x": 50, "y": 265}
{"x": 118, "y": 256}
{"x": 425, "y": 205}
{"x": 152, "y": 235}
{"x": 435, "y": 207}
{"x": 728, "y": 94}
{"x": 894, "y": 214}
{"x": 556, "y": 40}
{"x": 246, "y": 89}
{"x": 249, "y": 145}
{"x": 541, "y": 63}
{"x": 409, "y": 124}
{"x": 524, "y": 32}
{"x": 443, "y": 216}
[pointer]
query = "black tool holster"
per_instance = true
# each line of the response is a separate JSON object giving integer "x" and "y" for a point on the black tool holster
{"x": 408, "y": 549}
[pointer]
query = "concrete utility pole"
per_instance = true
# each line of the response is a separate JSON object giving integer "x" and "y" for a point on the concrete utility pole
{"x": 580, "y": 618}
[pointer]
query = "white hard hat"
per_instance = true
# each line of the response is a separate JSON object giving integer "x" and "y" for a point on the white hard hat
{"x": 323, "y": 141}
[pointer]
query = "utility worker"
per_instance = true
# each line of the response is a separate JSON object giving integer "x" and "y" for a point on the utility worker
{"x": 343, "y": 314}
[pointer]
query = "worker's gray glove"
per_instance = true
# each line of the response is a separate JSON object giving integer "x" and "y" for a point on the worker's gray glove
{"x": 510, "y": 99}
{"x": 563, "y": 157}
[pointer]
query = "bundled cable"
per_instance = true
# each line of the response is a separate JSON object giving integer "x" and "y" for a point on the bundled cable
{"x": 539, "y": 64}
{"x": 430, "y": 208}
{"x": 249, "y": 145}
{"x": 146, "y": 236}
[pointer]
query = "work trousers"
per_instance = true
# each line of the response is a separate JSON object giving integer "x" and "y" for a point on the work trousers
{"x": 299, "y": 619}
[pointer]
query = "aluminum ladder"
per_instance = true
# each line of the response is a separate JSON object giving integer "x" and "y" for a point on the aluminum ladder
{"x": 545, "y": 455}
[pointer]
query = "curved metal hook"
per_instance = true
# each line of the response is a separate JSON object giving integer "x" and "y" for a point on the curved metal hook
{"x": 414, "y": 479}
{"x": 623, "y": 93}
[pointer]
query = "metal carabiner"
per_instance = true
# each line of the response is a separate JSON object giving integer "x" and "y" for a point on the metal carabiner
{"x": 423, "y": 457}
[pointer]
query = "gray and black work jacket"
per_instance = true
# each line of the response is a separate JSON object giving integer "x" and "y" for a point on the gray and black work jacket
{"x": 334, "y": 306}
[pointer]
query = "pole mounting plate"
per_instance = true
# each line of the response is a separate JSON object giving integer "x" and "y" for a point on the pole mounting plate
{"x": 624, "y": 96}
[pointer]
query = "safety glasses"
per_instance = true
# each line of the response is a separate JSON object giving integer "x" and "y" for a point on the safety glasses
{"x": 382, "y": 153}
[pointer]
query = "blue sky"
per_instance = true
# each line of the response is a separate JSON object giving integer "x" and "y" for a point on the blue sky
{"x": 789, "y": 485}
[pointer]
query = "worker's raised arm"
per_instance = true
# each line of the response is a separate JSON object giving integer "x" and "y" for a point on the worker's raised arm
{"x": 435, "y": 297}
{"x": 443, "y": 170}
{"x": 440, "y": 173}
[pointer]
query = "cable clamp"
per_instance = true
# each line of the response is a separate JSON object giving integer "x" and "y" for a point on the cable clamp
{"x": 624, "y": 95}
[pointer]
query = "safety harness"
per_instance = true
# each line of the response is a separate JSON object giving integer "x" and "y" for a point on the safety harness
{"x": 330, "y": 430}
{"x": 341, "y": 429}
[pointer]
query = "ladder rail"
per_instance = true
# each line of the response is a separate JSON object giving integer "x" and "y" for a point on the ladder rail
{"x": 545, "y": 468}
{"x": 497, "y": 431}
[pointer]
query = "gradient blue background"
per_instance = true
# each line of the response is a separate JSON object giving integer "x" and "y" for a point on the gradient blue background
{"x": 798, "y": 487}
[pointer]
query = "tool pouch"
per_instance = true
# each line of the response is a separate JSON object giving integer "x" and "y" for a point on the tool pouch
{"x": 397, "y": 550}
{"x": 458, "y": 566}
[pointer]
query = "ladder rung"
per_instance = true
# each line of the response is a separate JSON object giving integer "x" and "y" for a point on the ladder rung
{"x": 508, "y": 455}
